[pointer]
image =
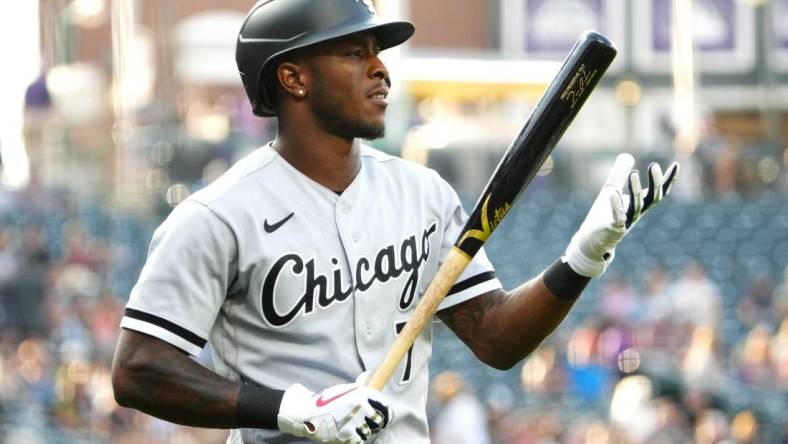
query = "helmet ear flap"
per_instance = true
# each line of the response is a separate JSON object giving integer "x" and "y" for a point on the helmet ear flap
{"x": 250, "y": 70}
{"x": 268, "y": 91}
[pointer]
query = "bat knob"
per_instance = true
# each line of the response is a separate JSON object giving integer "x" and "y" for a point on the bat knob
{"x": 595, "y": 37}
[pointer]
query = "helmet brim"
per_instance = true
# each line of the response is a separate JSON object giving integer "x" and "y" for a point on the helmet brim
{"x": 389, "y": 34}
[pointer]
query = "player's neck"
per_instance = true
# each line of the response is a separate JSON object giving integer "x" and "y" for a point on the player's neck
{"x": 329, "y": 160}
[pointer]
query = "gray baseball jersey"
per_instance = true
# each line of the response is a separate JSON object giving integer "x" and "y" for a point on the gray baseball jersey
{"x": 292, "y": 282}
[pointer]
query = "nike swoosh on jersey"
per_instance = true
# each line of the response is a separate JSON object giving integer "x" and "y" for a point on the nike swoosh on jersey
{"x": 270, "y": 228}
{"x": 321, "y": 402}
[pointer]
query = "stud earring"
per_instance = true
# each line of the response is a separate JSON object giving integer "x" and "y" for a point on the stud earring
{"x": 301, "y": 92}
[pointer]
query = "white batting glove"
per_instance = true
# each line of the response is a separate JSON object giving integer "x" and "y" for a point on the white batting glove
{"x": 613, "y": 214}
{"x": 345, "y": 413}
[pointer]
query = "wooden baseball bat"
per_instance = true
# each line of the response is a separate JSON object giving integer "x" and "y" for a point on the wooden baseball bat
{"x": 558, "y": 106}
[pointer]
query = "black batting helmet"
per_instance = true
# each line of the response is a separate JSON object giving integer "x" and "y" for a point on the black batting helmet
{"x": 275, "y": 27}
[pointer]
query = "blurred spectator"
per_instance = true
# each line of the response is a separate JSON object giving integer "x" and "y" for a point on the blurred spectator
{"x": 671, "y": 426}
{"x": 542, "y": 374}
{"x": 700, "y": 366}
{"x": 463, "y": 418}
{"x": 103, "y": 324}
{"x": 712, "y": 427}
{"x": 780, "y": 297}
{"x": 588, "y": 378}
{"x": 8, "y": 257}
{"x": 778, "y": 349}
{"x": 658, "y": 331}
{"x": 37, "y": 94}
{"x": 755, "y": 306}
{"x": 725, "y": 170}
{"x": 619, "y": 301}
{"x": 38, "y": 103}
{"x": 697, "y": 299}
{"x": 631, "y": 408}
{"x": 658, "y": 303}
{"x": 691, "y": 186}
{"x": 695, "y": 401}
{"x": 744, "y": 428}
{"x": 754, "y": 358}
{"x": 23, "y": 294}
{"x": 540, "y": 427}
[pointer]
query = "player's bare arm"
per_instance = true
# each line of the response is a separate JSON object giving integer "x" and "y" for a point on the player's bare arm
{"x": 156, "y": 378}
{"x": 502, "y": 328}
{"x": 150, "y": 375}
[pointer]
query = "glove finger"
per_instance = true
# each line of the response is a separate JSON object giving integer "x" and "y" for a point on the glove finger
{"x": 654, "y": 193}
{"x": 349, "y": 418}
{"x": 349, "y": 431}
{"x": 364, "y": 432}
{"x": 361, "y": 413}
{"x": 374, "y": 422}
{"x": 617, "y": 177}
{"x": 672, "y": 174}
{"x": 381, "y": 416}
{"x": 635, "y": 199}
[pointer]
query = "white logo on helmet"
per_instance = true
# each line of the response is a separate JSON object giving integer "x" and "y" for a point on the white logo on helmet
{"x": 369, "y": 5}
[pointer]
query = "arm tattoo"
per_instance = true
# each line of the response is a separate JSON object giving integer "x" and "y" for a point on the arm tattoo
{"x": 503, "y": 328}
{"x": 466, "y": 320}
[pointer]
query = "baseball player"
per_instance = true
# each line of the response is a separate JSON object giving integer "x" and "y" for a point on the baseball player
{"x": 303, "y": 261}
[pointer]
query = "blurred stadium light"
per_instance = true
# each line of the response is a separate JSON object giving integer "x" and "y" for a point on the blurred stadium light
{"x": 685, "y": 113}
{"x": 19, "y": 29}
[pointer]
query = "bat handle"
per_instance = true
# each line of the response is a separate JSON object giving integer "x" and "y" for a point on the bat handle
{"x": 454, "y": 264}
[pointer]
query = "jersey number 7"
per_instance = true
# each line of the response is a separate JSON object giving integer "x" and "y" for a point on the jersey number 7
{"x": 406, "y": 375}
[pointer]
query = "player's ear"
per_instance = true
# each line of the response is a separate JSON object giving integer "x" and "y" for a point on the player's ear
{"x": 292, "y": 78}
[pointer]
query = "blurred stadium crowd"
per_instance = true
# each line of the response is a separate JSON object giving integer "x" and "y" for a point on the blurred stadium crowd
{"x": 61, "y": 263}
{"x": 683, "y": 341}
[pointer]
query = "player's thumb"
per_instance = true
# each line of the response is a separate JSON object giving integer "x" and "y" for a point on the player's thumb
{"x": 616, "y": 201}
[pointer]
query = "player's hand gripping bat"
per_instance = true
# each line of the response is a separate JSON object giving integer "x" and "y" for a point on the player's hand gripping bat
{"x": 580, "y": 73}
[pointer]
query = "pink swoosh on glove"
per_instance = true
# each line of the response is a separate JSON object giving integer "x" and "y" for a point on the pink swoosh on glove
{"x": 321, "y": 402}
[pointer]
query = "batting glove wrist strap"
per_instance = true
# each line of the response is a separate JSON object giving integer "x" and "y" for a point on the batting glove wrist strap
{"x": 614, "y": 213}
{"x": 345, "y": 413}
{"x": 563, "y": 281}
{"x": 294, "y": 406}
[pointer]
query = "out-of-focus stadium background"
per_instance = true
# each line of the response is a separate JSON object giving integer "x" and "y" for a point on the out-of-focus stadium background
{"x": 113, "y": 111}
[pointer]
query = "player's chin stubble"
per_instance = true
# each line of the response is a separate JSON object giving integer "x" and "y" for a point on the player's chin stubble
{"x": 332, "y": 115}
{"x": 335, "y": 122}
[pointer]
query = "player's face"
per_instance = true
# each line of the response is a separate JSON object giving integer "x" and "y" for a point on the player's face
{"x": 349, "y": 87}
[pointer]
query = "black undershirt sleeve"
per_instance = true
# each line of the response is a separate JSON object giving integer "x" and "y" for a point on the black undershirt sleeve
{"x": 258, "y": 407}
{"x": 563, "y": 282}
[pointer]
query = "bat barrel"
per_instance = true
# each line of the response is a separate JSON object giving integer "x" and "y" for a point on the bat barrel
{"x": 583, "y": 67}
